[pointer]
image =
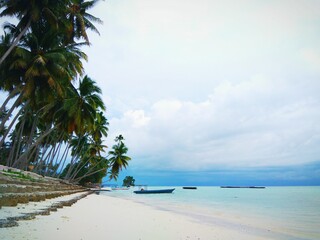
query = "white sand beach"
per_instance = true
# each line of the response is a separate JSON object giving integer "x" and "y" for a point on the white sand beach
{"x": 108, "y": 218}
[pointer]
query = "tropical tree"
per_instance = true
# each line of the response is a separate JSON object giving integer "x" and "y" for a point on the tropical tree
{"x": 41, "y": 68}
{"x": 29, "y": 12}
{"x": 78, "y": 20}
{"x": 40, "y": 60}
{"x": 85, "y": 119}
{"x": 118, "y": 159}
{"x": 70, "y": 17}
{"x": 128, "y": 181}
{"x": 81, "y": 106}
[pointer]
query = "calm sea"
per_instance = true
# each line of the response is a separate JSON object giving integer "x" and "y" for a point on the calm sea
{"x": 275, "y": 212}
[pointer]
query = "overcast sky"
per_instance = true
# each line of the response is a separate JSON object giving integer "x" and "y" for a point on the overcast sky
{"x": 196, "y": 86}
{"x": 201, "y": 85}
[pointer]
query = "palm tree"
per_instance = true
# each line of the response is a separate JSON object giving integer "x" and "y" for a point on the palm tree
{"x": 81, "y": 106}
{"x": 119, "y": 138}
{"x": 42, "y": 68}
{"x": 40, "y": 58}
{"x": 118, "y": 159}
{"x": 70, "y": 17}
{"x": 100, "y": 127}
{"x": 78, "y": 20}
{"x": 29, "y": 12}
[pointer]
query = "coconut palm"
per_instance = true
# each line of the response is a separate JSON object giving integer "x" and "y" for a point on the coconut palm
{"x": 29, "y": 12}
{"x": 42, "y": 68}
{"x": 119, "y": 138}
{"x": 40, "y": 57}
{"x": 78, "y": 20}
{"x": 81, "y": 106}
{"x": 100, "y": 127}
{"x": 118, "y": 159}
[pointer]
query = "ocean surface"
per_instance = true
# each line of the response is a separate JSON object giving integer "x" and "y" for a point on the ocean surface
{"x": 275, "y": 212}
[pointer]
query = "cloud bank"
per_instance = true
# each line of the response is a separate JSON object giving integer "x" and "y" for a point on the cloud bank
{"x": 259, "y": 122}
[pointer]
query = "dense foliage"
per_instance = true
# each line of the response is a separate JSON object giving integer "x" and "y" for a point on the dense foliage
{"x": 128, "y": 181}
{"x": 53, "y": 111}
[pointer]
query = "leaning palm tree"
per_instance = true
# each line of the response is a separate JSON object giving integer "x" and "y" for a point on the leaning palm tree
{"x": 29, "y": 12}
{"x": 70, "y": 17}
{"x": 44, "y": 69}
{"x": 79, "y": 115}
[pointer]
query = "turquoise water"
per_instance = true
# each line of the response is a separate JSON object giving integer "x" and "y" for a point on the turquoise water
{"x": 275, "y": 212}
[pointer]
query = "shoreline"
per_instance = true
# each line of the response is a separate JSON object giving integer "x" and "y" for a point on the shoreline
{"x": 106, "y": 217}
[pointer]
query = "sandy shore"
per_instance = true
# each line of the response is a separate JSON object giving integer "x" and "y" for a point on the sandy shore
{"x": 98, "y": 217}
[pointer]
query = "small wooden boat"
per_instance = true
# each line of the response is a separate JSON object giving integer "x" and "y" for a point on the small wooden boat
{"x": 142, "y": 191}
{"x": 103, "y": 189}
{"x": 120, "y": 188}
{"x": 189, "y": 187}
{"x": 254, "y": 187}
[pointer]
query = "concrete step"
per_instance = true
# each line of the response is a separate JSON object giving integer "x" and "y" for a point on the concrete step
{"x": 12, "y": 199}
{"x": 9, "y": 216}
{"x": 5, "y": 179}
{"x": 19, "y": 188}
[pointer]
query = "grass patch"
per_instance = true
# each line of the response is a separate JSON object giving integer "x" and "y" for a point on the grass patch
{"x": 18, "y": 175}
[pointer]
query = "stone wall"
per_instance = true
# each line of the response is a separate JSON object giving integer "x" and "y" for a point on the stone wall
{"x": 18, "y": 188}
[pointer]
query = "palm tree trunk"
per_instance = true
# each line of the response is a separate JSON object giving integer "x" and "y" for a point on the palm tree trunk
{"x": 47, "y": 161}
{"x": 15, "y": 42}
{"x": 35, "y": 144}
{"x": 56, "y": 149}
{"x": 38, "y": 163}
{"x": 71, "y": 167}
{"x": 11, "y": 95}
{"x": 5, "y": 119}
{"x": 35, "y": 158}
{"x": 92, "y": 167}
{"x": 16, "y": 141}
{"x": 19, "y": 139}
{"x": 73, "y": 159}
{"x": 78, "y": 169}
{"x": 32, "y": 132}
{"x": 10, "y": 126}
{"x": 88, "y": 174}
{"x": 11, "y": 154}
{"x": 63, "y": 160}
{"x": 24, "y": 165}
{"x": 25, "y": 162}
{"x": 56, "y": 157}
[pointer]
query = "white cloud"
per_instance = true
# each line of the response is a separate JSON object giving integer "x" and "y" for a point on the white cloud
{"x": 136, "y": 118}
{"x": 259, "y": 122}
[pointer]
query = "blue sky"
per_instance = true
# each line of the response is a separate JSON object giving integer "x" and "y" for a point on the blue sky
{"x": 210, "y": 92}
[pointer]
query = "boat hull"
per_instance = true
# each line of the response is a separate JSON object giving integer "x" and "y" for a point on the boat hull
{"x": 189, "y": 187}
{"x": 154, "y": 191}
{"x": 254, "y": 187}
